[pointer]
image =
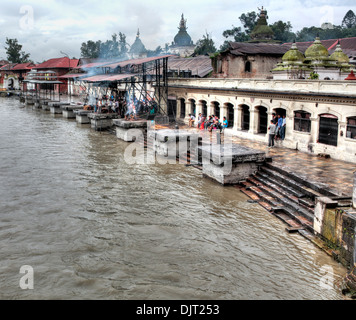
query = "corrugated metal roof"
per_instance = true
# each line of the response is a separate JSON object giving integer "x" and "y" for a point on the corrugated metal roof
{"x": 134, "y": 61}
{"x": 7, "y": 67}
{"x": 106, "y": 77}
{"x": 199, "y": 66}
{"x": 58, "y": 63}
{"x": 73, "y": 75}
{"x": 24, "y": 66}
{"x": 91, "y": 65}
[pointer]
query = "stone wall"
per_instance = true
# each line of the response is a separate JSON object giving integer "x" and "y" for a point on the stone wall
{"x": 234, "y": 67}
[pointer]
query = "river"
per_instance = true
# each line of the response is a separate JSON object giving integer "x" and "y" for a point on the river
{"x": 91, "y": 226}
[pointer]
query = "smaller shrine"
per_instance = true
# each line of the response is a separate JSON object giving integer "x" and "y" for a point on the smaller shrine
{"x": 138, "y": 49}
{"x": 262, "y": 32}
{"x": 315, "y": 63}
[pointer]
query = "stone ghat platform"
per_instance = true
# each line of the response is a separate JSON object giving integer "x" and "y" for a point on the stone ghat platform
{"x": 174, "y": 143}
{"x": 56, "y": 106}
{"x": 124, "y": 129}
{"x": 68, "y": 110}
{"x": 81, "y": 116}
{"x": 230, "y": 164}
{"x": 101, "y": 121}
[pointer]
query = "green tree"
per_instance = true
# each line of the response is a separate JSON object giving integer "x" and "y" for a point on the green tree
{"x": 14, "y": 53}
{"x": 110, "y": 48}
{"x": 205, "y": 45}
{"x": 249, "y": 21}
{"x": 154, "y": 53}
{"x": 283, "y": 31}
{"x": 90, "y": 49}
{"x": 122, "y": 45}
{"x": 237, "y": 34}
{"x": 349, "y": 20}
{"x": 116, "y": 48}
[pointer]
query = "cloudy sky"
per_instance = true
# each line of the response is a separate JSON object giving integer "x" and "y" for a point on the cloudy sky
{"x": 45, "y": 28}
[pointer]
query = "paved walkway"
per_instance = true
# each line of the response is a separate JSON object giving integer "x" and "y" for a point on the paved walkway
{"x": 334, "y": 173}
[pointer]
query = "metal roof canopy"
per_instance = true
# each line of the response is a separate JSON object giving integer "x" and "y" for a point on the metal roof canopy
{"x": 135, "y": 62}
{"x": 106, "y": 77}
{"x": 142, "y": 70}
{"x": 74, "y": 75}
{"x": 41, "y": 81}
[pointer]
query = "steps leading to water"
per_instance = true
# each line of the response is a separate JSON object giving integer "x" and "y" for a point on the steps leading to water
{"x": 288, "y": 196}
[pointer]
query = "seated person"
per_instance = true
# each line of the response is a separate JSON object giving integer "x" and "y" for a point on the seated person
{"x": 191, "y": 120}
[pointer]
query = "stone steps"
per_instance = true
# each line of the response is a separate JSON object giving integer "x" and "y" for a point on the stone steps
{"x": 288, "y": 196}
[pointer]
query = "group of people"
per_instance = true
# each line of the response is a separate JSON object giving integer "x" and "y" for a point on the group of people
{"x": 207, "y": 123}
{"x": 120, "y": 105}
{"x": 277, "y": 129}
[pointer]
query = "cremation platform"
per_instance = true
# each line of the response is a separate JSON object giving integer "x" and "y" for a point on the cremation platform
{"x": 174, "y": 143}
{"x": 68, "y": 110}
{"x": 56, "y": 106}
{"x": 101, "y": 121}
{"x": 81, "y": 116}
{"x": 124, "y": 129}
{"x": 231, "y": 163}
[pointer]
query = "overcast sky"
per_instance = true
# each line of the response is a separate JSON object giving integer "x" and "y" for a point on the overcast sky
{"x": 45, "y": 28}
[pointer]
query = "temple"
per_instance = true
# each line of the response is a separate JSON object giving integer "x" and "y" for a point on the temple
{"x": 138, "y": 49}
{"x": 182, "y": 44}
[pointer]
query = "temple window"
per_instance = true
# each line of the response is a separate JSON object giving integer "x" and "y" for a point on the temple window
{"x": 248, "y": 66}
{"x": 351, "y": 128}
{"x": 302, "y": 121}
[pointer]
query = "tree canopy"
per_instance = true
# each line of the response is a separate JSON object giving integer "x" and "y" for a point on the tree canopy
{"x": 14, "y": 53}
{"x": 114, "y": 48}
{"x": 349, "y": 20}
{"x": 249, "y": 21}
{"x": 283, "y": 30}
{"x": 205, "y": 45}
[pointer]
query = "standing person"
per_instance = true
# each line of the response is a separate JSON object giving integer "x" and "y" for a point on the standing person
{"x": 279, "y": 126}
{"x": 225, "y": 123}
{"x": 99, "y": 106}
{"x": 199, "y": 120}
{"x": 272, "y": 132}
{"x": 283, "y": 128}
{"x": 274, "y": 118}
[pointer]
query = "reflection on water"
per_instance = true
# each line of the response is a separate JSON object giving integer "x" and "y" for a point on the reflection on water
{"x": 95, "y": 227}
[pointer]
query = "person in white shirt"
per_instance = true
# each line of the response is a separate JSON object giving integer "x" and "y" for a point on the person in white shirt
{"x": 191, "y": 120}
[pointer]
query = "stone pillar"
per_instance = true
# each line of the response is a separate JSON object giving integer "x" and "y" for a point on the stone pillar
{"x": 238, "y": 116}
{"x": 179, "y": 107}
{"x": 223, "y": 112}
{"x": 188, "y": 106}
{"x": 236, "y": 111}
{"x": 342, "y": 134}
{"x": 198, "y": 109}
{"x": 314, "y": 129}
{"x": 289, "y": 126}
{"x": 253, "y": 121}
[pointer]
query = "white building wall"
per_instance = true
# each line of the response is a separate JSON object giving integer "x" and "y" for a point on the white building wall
{"x": 337, "y": 98}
